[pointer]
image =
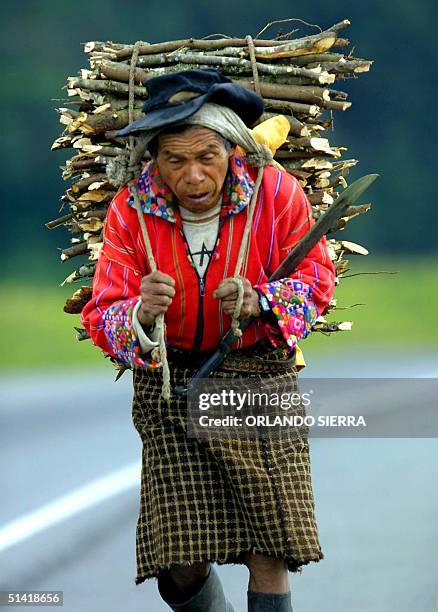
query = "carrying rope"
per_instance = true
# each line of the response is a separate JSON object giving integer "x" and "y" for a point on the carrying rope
{"x": 160, "y": 325}
{"x": 133, "y": 161}
{"x": 131, "y": 91}
{"x": 253, "y": 60}
{"x": 123, "y": 169}
{"x": 261, "y": 159}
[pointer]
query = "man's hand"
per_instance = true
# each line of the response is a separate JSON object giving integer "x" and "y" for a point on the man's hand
{"x": 227, "y": 292}
{"x": 156, "y": 292}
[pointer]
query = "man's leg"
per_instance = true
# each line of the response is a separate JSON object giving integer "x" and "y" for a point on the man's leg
{"x": 268, "y": 587}
{"x": 188, "y": 580}
{"x": 194, "y": 588}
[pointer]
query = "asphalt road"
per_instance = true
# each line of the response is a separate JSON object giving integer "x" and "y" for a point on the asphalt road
{"x": 376, "y": 499}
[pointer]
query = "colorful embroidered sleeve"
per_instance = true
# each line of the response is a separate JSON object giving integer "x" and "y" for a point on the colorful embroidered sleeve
{"x": 298, "y": 300}
{"x": 108, "y": 316}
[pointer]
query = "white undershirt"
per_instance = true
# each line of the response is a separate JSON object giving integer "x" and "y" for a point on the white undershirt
{"x": 200, "y": 230}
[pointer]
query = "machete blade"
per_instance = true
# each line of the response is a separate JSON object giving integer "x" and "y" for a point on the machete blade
{"x": 325, "y": 222}
{"x": 348, "y": 197}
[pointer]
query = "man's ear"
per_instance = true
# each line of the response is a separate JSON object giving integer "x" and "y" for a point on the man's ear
{"x": 229, "y": 146}
{"x": 231, "y": 150}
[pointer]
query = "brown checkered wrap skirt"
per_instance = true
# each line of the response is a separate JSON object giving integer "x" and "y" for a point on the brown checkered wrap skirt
{"x": 215, "y": 499}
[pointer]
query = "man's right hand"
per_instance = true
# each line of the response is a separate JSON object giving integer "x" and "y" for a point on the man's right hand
{"x": 156, "y": 292}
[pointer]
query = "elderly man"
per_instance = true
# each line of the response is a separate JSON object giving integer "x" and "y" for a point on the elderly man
{"x": 236, "y": 501}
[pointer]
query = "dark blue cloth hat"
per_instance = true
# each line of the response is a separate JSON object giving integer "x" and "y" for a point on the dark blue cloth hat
{"x": 175, "y": 96}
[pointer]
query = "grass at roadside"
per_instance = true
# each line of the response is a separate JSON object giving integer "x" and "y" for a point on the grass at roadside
{"x": 37, "y": 333}
{"x": 399, "y": 310}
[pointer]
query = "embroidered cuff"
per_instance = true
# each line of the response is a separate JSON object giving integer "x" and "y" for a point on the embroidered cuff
{"x": 147, "y": 343}
{"x": 291, "y": 302}
{"x": 119, "y": 330}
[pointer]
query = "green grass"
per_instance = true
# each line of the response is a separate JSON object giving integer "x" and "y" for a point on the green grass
{"x": 399, "y": 311}
{"x": 37, "y": 333}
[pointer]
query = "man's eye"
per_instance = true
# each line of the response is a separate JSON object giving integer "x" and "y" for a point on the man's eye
{"x": 208, "y": 157}
{"x": 174, "y": 160}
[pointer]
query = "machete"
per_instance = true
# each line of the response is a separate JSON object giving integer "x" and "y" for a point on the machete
{"x": 325, "y": 223}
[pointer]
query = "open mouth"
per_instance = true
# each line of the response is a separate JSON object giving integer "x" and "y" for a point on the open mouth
{"x": 198, "y": 198}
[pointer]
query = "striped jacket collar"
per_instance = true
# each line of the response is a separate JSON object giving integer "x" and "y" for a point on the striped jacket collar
{"x": 157, "y": 199}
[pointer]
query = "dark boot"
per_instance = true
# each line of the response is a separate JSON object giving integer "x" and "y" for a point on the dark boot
{"x": 210, "y": 597}
{"x": 269, "y": 602}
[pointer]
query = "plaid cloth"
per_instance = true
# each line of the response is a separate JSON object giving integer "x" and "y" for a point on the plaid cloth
{"x": 214, "y": 499}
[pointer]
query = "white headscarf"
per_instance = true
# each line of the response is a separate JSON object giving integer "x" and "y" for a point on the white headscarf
{"x": 227, "y": 123}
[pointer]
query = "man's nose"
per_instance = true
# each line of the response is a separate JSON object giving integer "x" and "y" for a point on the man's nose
{"x": 194, "y": 174}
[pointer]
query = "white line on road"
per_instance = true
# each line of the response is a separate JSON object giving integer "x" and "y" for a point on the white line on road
{"x": 80, "y": 499}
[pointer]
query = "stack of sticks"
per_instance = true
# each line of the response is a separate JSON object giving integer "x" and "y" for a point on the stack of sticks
{"x": 296, "y": 78}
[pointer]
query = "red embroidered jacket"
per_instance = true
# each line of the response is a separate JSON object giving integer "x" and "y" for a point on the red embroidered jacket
{"x": 195, "y": 319}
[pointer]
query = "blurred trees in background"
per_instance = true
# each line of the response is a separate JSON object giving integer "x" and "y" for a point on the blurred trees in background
{"x": 388, "y": 128}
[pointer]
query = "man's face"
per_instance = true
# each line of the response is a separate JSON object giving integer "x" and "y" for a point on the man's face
{"x": 194, "y": 164}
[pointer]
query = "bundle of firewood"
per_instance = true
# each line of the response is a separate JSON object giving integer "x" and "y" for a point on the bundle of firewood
{"x": 296, "y": 78}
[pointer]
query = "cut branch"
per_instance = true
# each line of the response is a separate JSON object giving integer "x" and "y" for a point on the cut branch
{"x": 74, "y": 84}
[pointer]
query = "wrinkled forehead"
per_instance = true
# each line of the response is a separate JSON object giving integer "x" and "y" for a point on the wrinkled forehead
{"x": 189, "y": 138}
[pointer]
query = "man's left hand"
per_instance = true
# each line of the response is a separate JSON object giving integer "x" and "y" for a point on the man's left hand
{"x": 227, "y": 292}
